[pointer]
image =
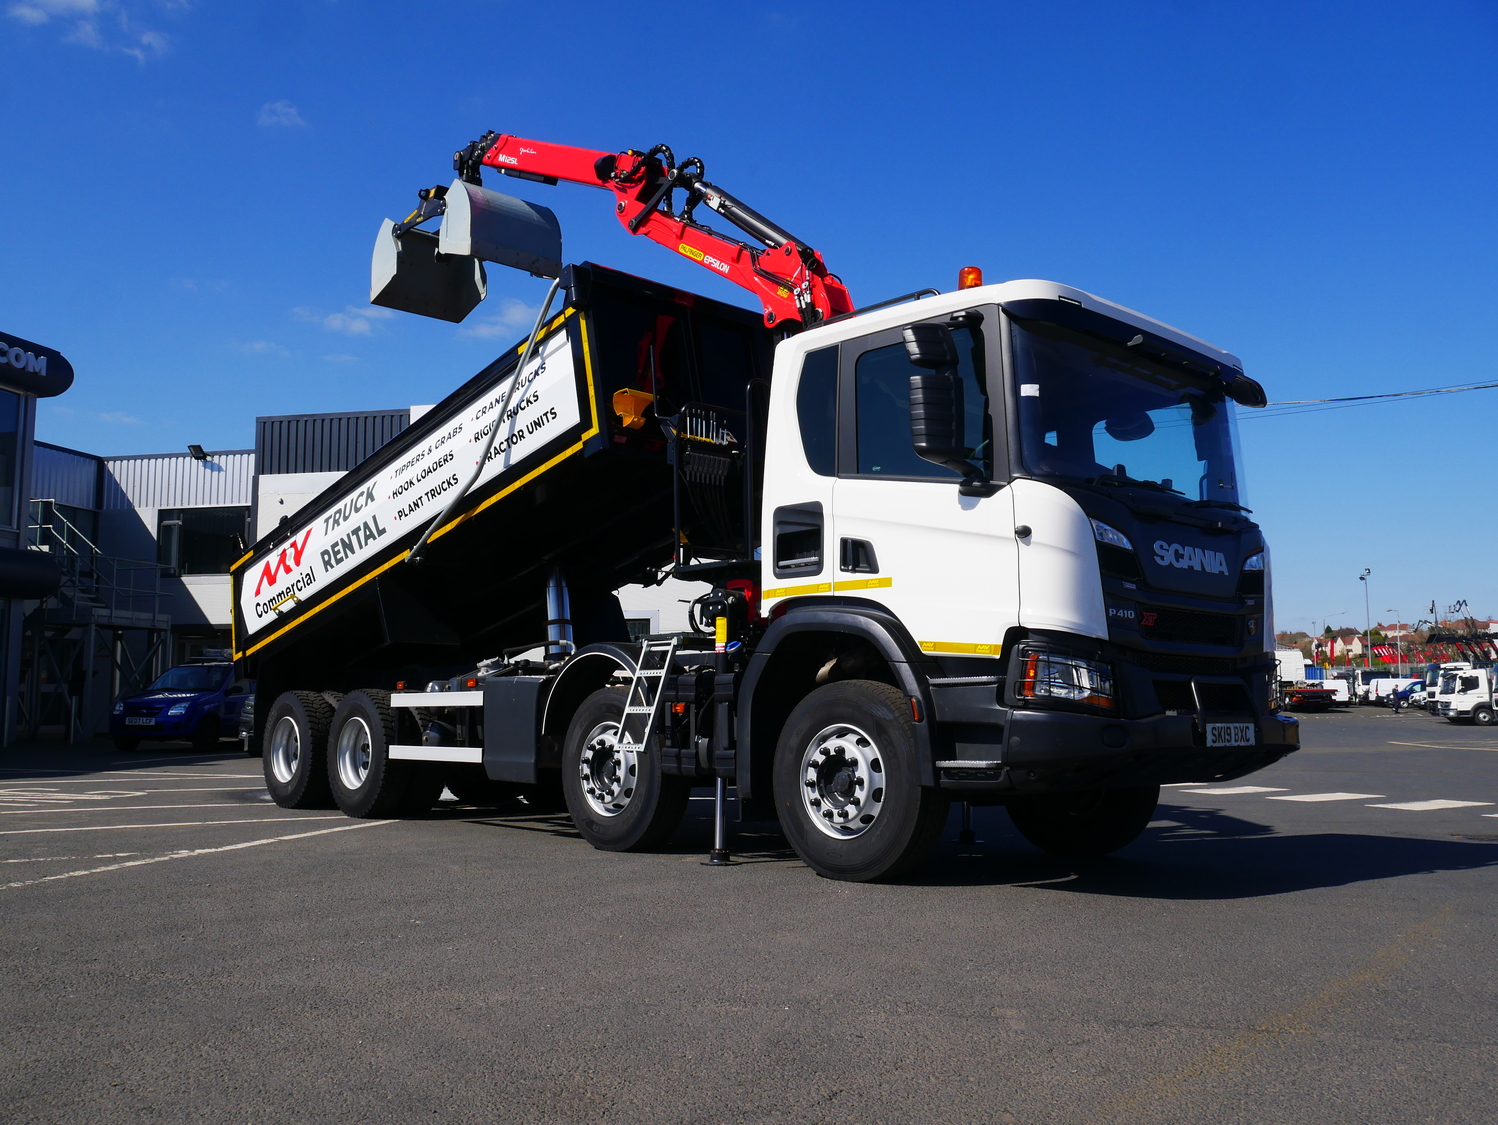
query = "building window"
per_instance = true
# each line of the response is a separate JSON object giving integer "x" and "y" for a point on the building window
{"x": 201, "y": 540}
{"x": 10, "y": 467}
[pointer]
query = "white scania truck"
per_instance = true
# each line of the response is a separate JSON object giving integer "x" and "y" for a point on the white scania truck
{"x": 985, "y": 545}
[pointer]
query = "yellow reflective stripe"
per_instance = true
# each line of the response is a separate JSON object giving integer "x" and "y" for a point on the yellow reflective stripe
{"x": 788, "y": 591}
{"x": 863, "y": 584}
{"x": 963, "y": 647}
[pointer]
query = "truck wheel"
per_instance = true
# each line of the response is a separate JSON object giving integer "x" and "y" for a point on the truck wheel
{"x": 619, "y": 799}
{"x": 296, "y": 751}
{"x": 1083, "y": 825}
{"x": 364, "y": 779}
{"x": 847, "y": 786}
{"x": 1482, "y": 716}
{"x": 206, "y": 737}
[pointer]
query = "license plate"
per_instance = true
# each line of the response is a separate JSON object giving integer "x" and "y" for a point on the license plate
{"x": 139, "y": 721}
{"x": 1230, "y": 734}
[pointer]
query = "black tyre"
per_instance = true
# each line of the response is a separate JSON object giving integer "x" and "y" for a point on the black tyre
{"x": 472, "y": 786}
{"x": 847, "y": 785}
{"x": 619, "y": 799}
{"x": 126, "y": 745}
{"x": 296, "y": 751}
{"x": 208, "y": 734}
{"x": 1483, "y": 716}
{"x": 364, "y": 779}
{"x": 1087, "y": 824}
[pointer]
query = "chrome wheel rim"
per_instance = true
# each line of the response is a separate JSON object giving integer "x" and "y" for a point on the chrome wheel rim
{"x": 842, "y": 781}
{"x": 285, "y": 749}
{"x": 609, "y": 772}
{"x": 355, "y": 748}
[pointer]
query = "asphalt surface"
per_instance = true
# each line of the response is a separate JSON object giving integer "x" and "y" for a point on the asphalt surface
{"x": 176, "y": 948}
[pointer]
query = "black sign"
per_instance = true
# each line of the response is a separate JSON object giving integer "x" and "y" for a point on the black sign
{"x": 33, "y": 369}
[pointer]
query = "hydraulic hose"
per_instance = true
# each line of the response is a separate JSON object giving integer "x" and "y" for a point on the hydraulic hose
{"x": 415, "y": 555}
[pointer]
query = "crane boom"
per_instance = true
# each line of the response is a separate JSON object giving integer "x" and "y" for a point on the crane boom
{"x": 788, "y": 276}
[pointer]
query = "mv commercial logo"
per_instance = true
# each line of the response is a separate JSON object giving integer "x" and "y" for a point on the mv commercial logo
{"x": 1196, "y": 558}
{"x": 283, "y": 565}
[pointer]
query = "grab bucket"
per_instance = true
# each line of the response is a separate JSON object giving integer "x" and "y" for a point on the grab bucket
{"x": 484, "y": 224}
{"x": 408, "y": 274}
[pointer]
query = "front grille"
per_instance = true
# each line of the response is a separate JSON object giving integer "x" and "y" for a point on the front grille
{"x": 1188, "y": 626}
{"x": 1180, "y": 665}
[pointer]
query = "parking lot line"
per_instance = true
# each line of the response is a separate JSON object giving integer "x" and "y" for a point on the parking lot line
{"x": 1232, "y": 790}
{"x": 195, "y": 852}
{"x": 174, "y": 824}
{"x": 1428, "y": 806}
{"x": 1327, "y": 797}
{"x": 119, "y": 808}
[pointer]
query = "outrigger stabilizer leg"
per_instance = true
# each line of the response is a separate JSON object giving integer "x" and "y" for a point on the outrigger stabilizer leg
{"x": 719, "y": 856}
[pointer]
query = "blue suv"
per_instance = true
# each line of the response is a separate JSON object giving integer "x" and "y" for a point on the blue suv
{"x": 199, "y": 702}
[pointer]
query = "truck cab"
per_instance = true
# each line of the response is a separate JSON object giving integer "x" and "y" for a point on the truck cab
{"x": 1466, "y": 696}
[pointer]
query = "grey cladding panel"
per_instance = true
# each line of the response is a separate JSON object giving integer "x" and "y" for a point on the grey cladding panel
{"x": 323, "y": 443}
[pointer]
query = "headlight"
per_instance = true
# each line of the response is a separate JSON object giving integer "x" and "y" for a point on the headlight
{"x": 1048, "y": 675}
{"x": 1110, "y": 535}
{"x": 179, "y": 709}
{"x": 119, "y": 708}
{"x": 1254, "y": 562}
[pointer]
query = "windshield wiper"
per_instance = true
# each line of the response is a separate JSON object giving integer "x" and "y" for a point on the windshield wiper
{"x": 1221, "y": 504}
{"x": 1129, "y": 482}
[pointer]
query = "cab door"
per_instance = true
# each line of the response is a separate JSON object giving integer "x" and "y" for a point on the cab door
{"x": 946, "y": 564}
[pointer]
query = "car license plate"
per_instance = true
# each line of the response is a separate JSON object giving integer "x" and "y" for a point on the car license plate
{"x": 1230, "y": 734}
{"x": 139, "y": 721}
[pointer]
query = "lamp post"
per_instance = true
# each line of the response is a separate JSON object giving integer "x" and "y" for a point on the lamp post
{"x": 1367, "y": 620}
{"x": 1398, "y": 640}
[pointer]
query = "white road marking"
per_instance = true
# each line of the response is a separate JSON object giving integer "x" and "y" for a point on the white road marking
{"x": 174, "y": 824}
{"x": 35, "y": 795}
{"x": 55, "y": 858}
{"x": 196, "y": 852}
{"x": 94, "y": 777}
{"x": 141, "y": 793}
{"x": 1326, "y": 797}
{"x": 1428, "y": 806}
{"x": 1450, "y": 745}
{"x": 124, "y": 808}
{"x": 1232, "y": 790}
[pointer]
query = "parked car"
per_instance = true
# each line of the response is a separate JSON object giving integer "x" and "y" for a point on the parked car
{"x": 199, "y": 702}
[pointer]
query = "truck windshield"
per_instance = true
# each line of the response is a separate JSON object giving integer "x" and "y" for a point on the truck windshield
{"x": 1091, "y": 410}
{"x": 193, "y": 677}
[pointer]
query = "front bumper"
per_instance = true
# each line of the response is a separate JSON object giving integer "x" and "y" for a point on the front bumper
{"x": 1058, "y": 751}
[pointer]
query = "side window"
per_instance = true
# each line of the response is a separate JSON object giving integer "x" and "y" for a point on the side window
{"x": 882, "y": 390}
{"x": 816, "y": 409}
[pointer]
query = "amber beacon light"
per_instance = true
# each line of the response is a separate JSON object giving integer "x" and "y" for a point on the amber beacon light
{"x": 969, "y": 277}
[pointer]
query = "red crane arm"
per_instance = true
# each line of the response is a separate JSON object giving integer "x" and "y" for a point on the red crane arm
{"x": 788, "y": 276}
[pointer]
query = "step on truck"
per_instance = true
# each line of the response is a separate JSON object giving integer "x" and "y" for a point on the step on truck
{"x": 985, "y": 546}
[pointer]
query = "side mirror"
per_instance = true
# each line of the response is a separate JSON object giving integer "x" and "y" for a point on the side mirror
{"x": 931, "y": 346}
{"x": 936, "y": 407}
{"x": 1246, "y": 392}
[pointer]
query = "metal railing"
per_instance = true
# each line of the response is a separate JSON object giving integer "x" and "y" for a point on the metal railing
{"x": 92, "y": 580}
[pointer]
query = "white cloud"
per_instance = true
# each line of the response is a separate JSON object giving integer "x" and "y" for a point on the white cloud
{"x": 262, "y": 347}
{"x": 104, "y": 25}
{"x": 120, "y": 418}
{"x": 341, "y": 358}
{"x": 280, "y": 114}
{"x": 513, "y": 317}
{"x": 352, "y": 321}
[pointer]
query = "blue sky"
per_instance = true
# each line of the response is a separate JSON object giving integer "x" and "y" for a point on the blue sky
{"x": 193, "y": 191}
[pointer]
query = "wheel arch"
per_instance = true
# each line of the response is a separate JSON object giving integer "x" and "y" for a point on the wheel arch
{"x": 590, "y": 669}
{"x": 784, "y": 669}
